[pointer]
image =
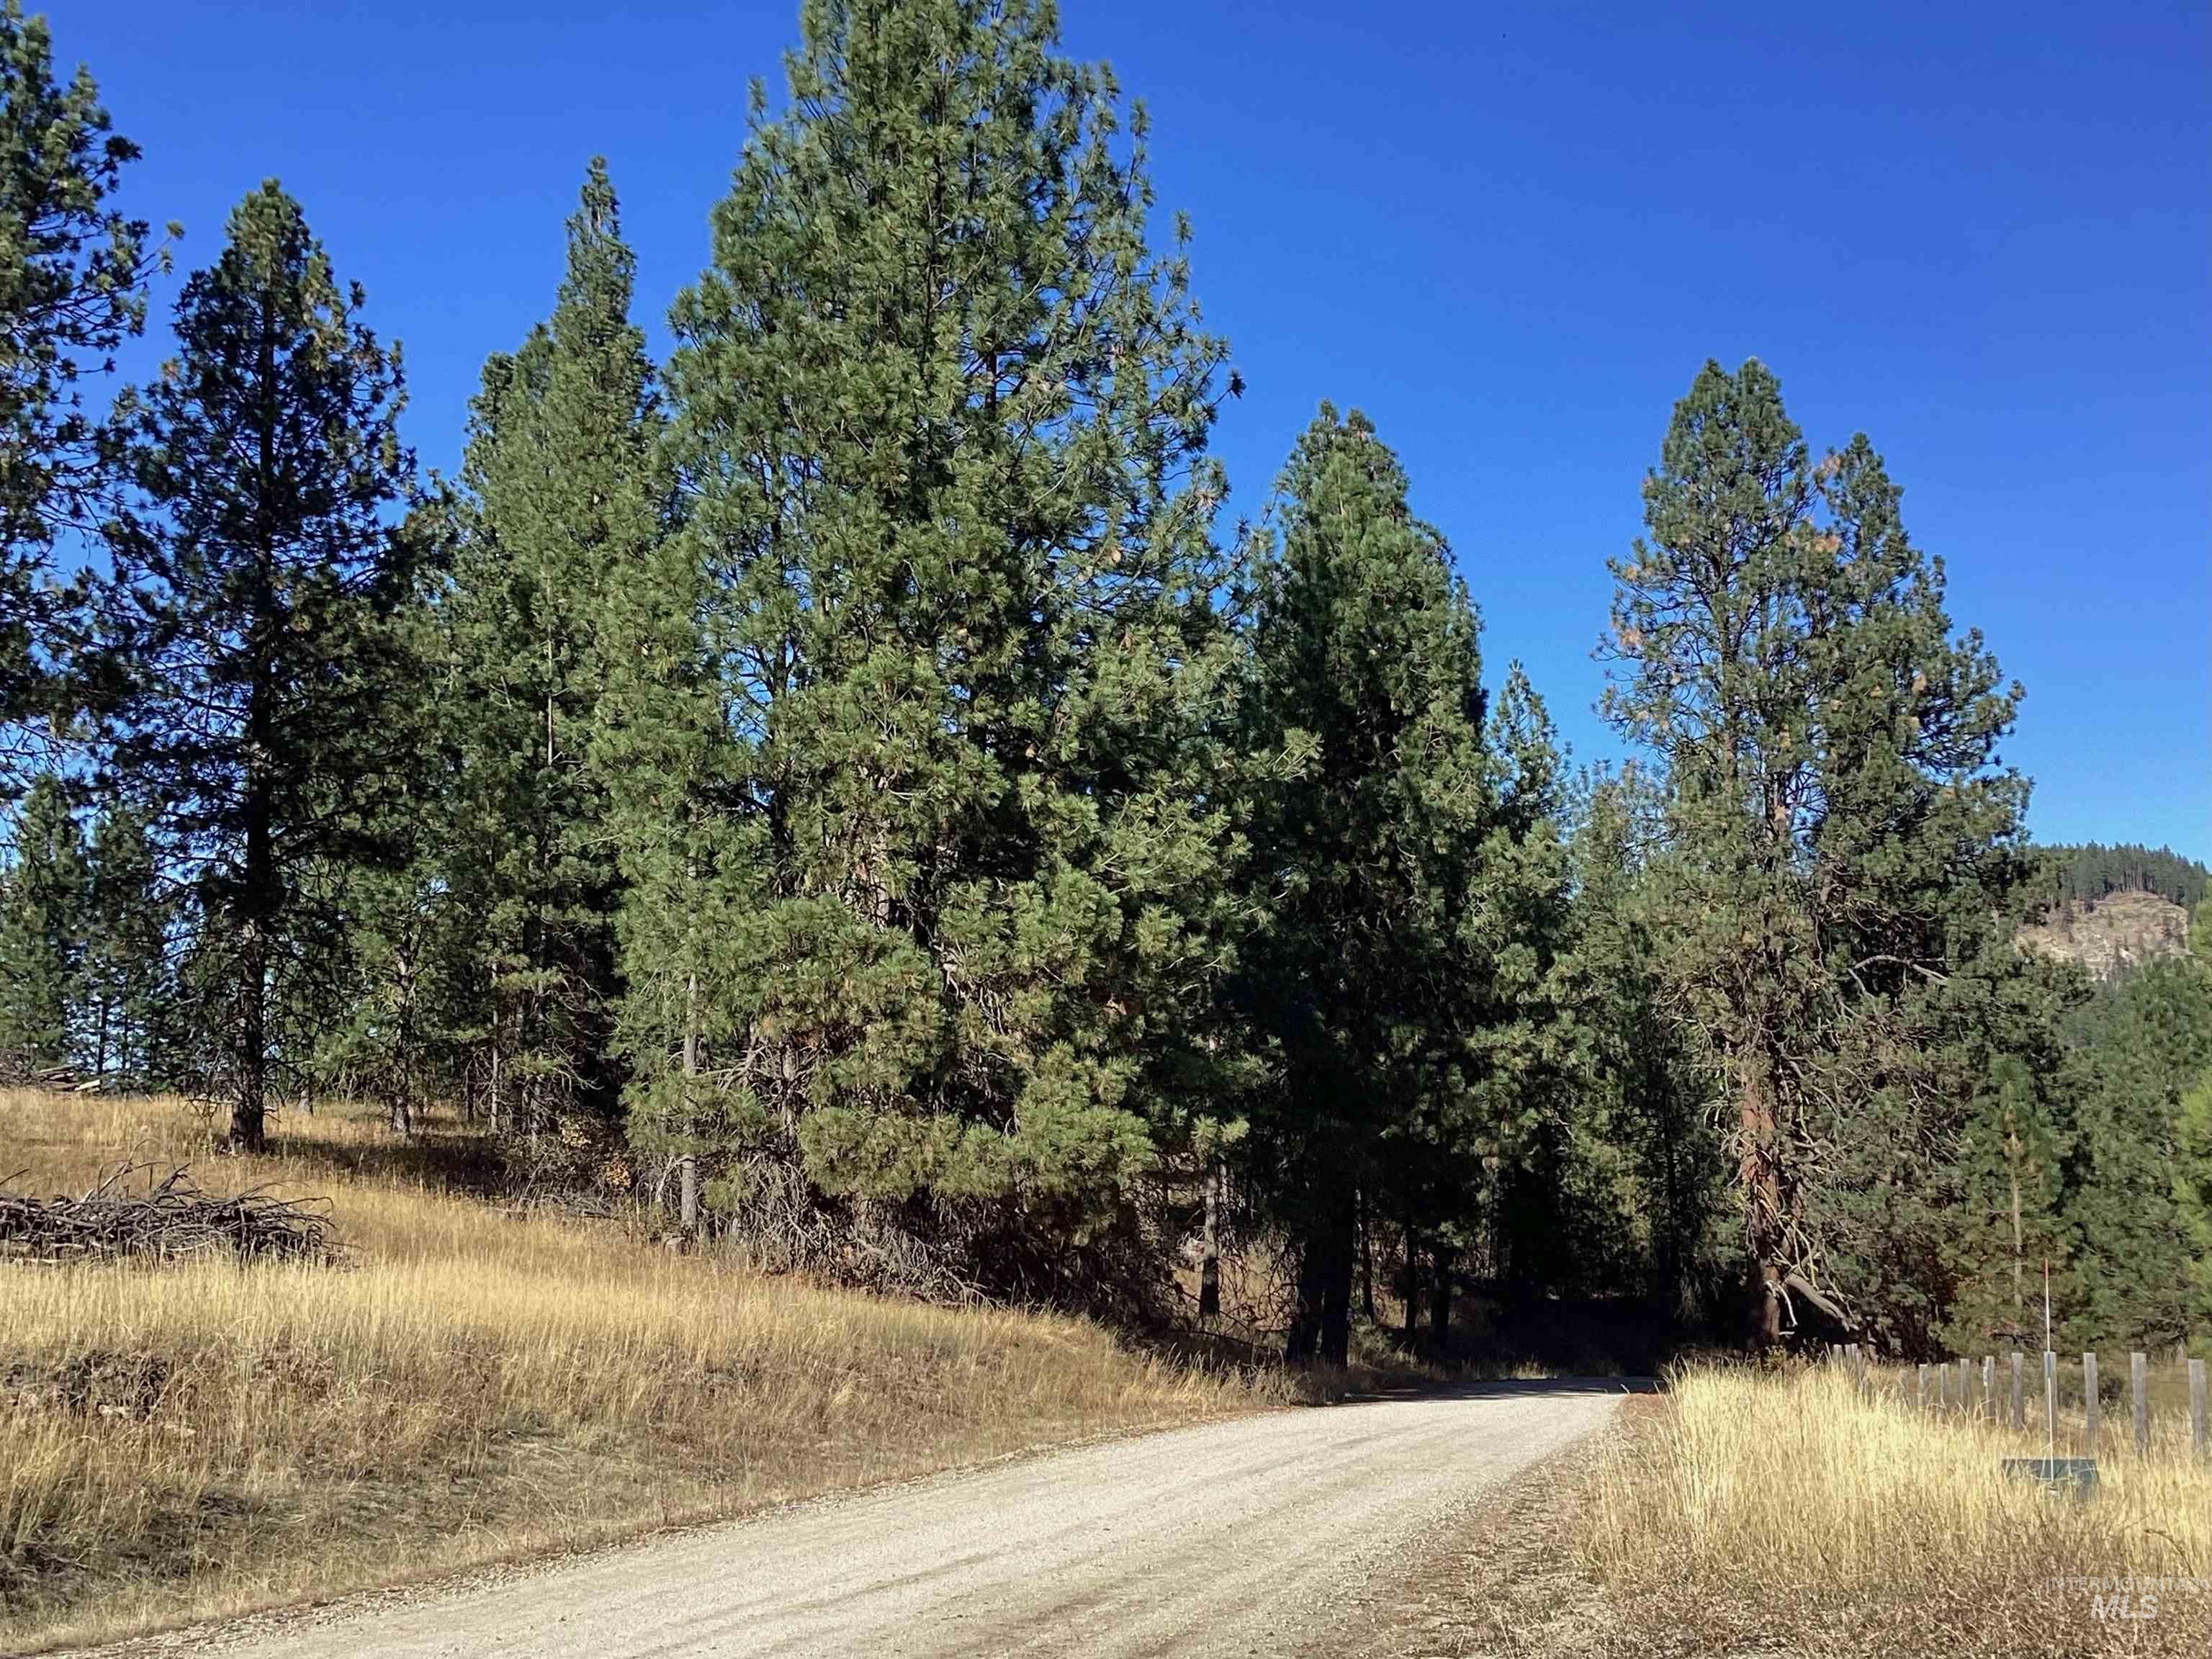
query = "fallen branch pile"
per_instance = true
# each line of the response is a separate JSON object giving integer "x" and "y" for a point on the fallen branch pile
{"x": 170, "y": 1217}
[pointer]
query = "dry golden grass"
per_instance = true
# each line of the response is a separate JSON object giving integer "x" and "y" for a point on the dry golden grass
{"x": 200, "y": 1439}
{"x": 1762, "y": 1505}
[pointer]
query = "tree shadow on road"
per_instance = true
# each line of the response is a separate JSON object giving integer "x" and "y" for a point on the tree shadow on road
{"x": 1491, "y": 1387}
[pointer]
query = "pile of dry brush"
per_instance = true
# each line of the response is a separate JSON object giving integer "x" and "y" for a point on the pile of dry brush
{"x": 163, "y": 1216}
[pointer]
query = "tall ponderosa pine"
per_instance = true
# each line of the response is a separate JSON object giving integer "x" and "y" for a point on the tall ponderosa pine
{"x": 561, "y": 510}
{"x": 254, "y": 587}
{"x": 1405, "y": 970}
{"x": 940, "y": 414}
{"x": 1843, "y": 851}
{"x": 73, "y": 271}
{"x": 43, "y": 896}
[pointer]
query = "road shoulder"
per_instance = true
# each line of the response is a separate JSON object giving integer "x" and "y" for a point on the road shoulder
{"x": 1505, "y": 1579}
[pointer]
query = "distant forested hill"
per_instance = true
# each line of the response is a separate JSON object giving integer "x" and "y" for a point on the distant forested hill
{"x": 2092, "y": 871}
{"x": 2115, "y": 909}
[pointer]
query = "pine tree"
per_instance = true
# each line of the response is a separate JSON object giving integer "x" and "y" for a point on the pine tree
{"x": 255, "y": 584}
{"x": 1922, "y": 879}
{"x": 2192, "y": 1173}
{"x": 940, "y": 415}
{"x": 561, "y": 508}
{"x": 690, "y": 852}
{"x": 2130, "y": 1200}
{"x": 73, "y": 271}
{"x": 403, "y": 967}
{"x": 42, "y": 925}
{"x": 2009, "y": 1219}
{"x": 1405, "y": 971}
{"x": 1533, "y": 1024}
{"x": 129, "y": 986}
{"x": 1845, "y": 848}
{"x": 1646, "y": 1096}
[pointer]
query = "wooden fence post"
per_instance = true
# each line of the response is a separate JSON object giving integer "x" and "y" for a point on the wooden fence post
{"x": 2196, "y": 1427}
{"x": 1920, "y": 1390}
{"x": 2089, "y": 1409}
{"x": 2018, "y": 1416}
{"x": 1989, "y": 1387}
{"x": 2141, "y": 1400}
{"x": 2051, "y": 1396}
{"x": 1966, "y": 1387}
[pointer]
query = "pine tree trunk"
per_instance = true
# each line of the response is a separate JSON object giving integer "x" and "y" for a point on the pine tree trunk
{"x": 257, "y": 895}
{"x": 491, "y": 1104}
{"x": 1336, "y": 1288}
{"x": 2019, "y": 1303}
{"x": 688, "y": 1190}
{"x": 1674, "y": 1255}
{"x": 249, "y": 1108}
{"x": 1440, "y": 1301}
{"x": 403, "y": 1094}
{"x": 1762, "y": 1188}
{"x": 1302, "y": 1342}
{"x": 1209, "y": 1268}
{"x": 1367, "y": 1258}
{"x": 1412, "y": 1287}
{"x": 1321, "y": 1329}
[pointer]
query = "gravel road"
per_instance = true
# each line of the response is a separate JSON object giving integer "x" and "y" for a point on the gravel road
{"x": 1243, "y": 1537}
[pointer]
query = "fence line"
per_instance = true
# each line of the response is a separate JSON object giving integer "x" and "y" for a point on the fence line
{"x": 1957, "y": 1397}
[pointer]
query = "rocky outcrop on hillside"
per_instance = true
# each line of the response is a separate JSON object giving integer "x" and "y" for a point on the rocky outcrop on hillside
{"x": 2113, "y": 934}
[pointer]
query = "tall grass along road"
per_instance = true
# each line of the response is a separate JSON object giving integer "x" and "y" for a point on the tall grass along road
{"x": 195, "y": 1440}
{"x": 1231, "y": 1537}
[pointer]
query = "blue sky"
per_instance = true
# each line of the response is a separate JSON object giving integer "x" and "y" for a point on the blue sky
{"x": 1510, "y": 232}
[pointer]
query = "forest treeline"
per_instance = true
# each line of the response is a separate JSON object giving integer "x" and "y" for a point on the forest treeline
{"x": 847, "y": 783}
{"x": 2092, "y": 871}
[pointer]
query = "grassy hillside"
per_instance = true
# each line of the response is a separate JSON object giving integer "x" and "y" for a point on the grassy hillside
{"x": 195, "y": 1439}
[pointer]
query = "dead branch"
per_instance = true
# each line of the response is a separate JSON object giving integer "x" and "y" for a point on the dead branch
{"x": 170, "y": 1219}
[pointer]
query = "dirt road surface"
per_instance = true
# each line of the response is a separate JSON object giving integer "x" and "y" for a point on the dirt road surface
{"x": 1246, "y": 1537}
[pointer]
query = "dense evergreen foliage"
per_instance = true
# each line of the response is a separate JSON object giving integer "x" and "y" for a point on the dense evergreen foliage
{"x": 43, "y": 928}
{"x": 939, "y": 415}
{"x": 1406, "y": 973}
{"x": 1845, "y": 851}
{"x": 73, "y": 272}
{"x": 844, "y": 786}
{"x": 559, "y": 507}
